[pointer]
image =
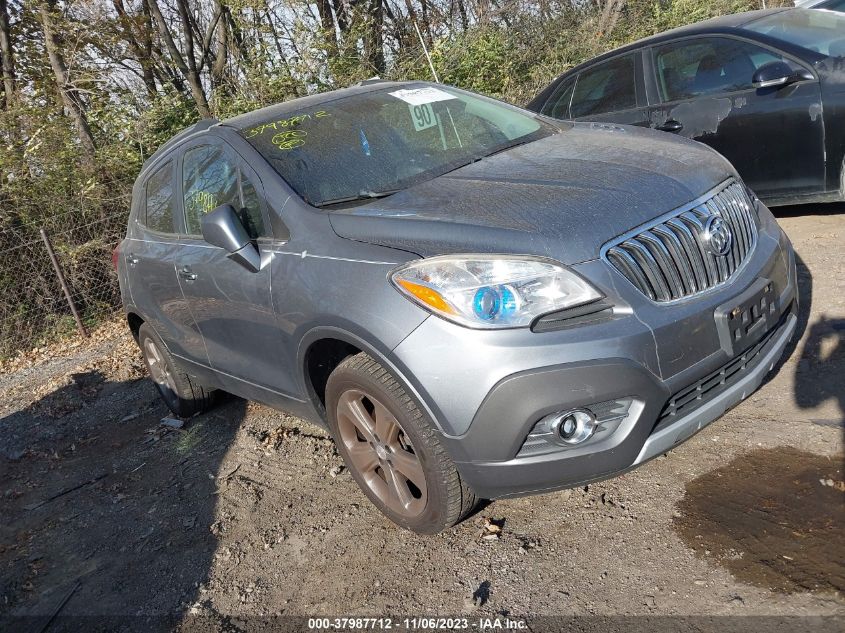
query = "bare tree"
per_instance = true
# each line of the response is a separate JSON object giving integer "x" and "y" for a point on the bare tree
{"x": 70, "y": 96}
{"x": 218, "y": 67}
{"x": 136, "y": 33}
{"x": 610, "y": 13}
{"x": 7, "y": 56}
{"x": 374, "y": 38}
{"x": 186, "y": 64}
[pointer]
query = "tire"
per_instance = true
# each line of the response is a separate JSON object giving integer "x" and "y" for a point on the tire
{"x": 392, "y": 450}
{"x": 182, "y": 394}
{"x": 842, "y": 180}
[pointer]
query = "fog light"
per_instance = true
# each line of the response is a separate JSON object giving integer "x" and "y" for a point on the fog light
{"x": 574, "y": 426}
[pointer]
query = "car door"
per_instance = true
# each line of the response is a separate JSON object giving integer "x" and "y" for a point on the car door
{"x": 150, "y": 259}
{"x": 610, "y": 91}
{"x": 231, "y": 305}
{"x": 773, "y": 136}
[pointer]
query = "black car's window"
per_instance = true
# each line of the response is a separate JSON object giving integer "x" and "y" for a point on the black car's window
{"x": 558, "y": 104}
{"x": 705, "y": 66}
{"x": 159, "y": 200}
{"x": 608, "y": 87}
{"x": 819, "y": 31}
{"x": 381, "y": 141}
{"x": 210, "y": 178}
{"x": 833, "y": 5}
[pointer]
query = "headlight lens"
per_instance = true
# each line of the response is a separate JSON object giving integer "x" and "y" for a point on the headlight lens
{"x": 492, "y": 291}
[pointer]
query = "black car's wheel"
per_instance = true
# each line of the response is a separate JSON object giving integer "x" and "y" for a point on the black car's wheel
{"x": 392, "y": 450}
{"x": 180, "y": 392}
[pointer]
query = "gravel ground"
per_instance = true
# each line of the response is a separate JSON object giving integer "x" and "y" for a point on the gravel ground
{"x": 247, "y": 511}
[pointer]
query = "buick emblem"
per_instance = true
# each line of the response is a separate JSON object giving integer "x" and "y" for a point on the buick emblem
{"x": 718, "y": 236}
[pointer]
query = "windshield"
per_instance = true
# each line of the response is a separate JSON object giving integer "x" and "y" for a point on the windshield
{"x": 819, "y": 31}
{"x": 376, "y": 143}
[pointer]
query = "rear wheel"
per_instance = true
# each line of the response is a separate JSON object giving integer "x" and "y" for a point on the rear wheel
{"x": 182, "y": 394}
{"x": 392, "y": 450}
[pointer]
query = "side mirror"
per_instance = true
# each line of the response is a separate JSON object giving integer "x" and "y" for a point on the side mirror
{"x": 222, "y": 227}
{"x": 777, "y": 75}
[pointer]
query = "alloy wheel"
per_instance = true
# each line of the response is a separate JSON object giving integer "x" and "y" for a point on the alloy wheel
{"x": 159, "y": 371}
{"x": 380, "y": 450}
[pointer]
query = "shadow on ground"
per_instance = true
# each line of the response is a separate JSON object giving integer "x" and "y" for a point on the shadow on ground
{"x": 105, "y": 511}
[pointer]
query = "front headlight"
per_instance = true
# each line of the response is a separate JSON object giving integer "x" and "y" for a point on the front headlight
{"x": 492, "y": 291}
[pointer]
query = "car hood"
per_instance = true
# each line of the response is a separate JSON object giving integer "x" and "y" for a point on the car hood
{"x": 563, "y": 196}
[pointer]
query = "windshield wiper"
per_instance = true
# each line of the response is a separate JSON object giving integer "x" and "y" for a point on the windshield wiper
{"x": 479, "y": 158}
{"x": 363, "y": 195}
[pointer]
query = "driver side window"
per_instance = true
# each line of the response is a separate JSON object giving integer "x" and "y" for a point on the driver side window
{"x": 211, "y": 178}
{"x": 706, "y": 66}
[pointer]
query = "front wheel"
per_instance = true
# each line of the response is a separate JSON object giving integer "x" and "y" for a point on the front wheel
{"x": 392, "y": 449}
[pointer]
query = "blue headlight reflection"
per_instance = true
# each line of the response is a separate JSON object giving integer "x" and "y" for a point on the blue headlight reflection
{"x": 494, "y": 302}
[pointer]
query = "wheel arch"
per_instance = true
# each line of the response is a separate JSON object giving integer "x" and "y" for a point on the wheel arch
{"x": 338, "y": 339}
{"x": 135, "y": 321}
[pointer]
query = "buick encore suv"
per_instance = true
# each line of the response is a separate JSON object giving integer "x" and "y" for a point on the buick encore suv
{"x": 477, "y": 301}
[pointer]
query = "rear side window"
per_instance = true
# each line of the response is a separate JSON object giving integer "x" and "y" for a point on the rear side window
{"x": 705, "y": 66}
{"x": 211, "y": 177}
{"x": 159, "y": 200}
{"x": 608, "y": 87}
{"x": 558, "y": 104}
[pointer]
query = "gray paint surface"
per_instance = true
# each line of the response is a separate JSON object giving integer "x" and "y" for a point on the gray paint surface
{"x": 562, "y": 196}
{"x": 325, "y": 276}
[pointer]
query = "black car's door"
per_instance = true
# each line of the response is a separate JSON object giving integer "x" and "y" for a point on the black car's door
{"x": 232, "y": 306}
{"x": 611, "y": 91}
{"x": 773, "y": 136}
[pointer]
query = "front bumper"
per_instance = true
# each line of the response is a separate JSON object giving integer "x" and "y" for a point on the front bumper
{"x": 486, "y": 391}
{"x": 621, "y": 452}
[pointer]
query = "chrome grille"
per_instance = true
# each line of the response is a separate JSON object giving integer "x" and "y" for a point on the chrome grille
{"x": 672, "y": 260}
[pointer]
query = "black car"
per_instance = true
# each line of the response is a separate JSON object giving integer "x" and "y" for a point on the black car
{"x": 766, "y": 89}
{"x": 830, "y": 5}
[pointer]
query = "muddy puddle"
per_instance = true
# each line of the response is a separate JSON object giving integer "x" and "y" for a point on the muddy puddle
{"x": 774, "y": 518}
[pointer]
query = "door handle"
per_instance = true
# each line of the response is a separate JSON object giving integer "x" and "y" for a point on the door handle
{"x": 132, "y": 259}
{"x": 187, "y": 274}
{"x": 671, "y": 126}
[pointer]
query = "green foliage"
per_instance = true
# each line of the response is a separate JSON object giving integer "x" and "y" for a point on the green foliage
{"x": 479, "y": 60}
{"x": 511, "y": 53}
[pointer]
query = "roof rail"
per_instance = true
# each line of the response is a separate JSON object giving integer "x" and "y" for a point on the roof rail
{"x": 199, "y": 126}
{"x": 371, "y": 80}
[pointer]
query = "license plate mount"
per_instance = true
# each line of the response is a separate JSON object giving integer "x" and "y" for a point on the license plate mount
{"x": 744, "y": 320}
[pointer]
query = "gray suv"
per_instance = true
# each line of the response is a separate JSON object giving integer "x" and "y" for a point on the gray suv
{"x": 475, "y": 300}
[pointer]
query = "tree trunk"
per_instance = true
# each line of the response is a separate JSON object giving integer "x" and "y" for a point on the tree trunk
{"x": 193, "y": 75}
{"x": 324, "y": 8}
{"x": 187, "y": 68}
{"x": 7, "y": 55}
{"x": 374, "y": 40}
{"x": 281, "y": 52}
{"x": 426, "y": 23}
{"x": 462, "y": 11}
{"x": 219, "y": 66}
{"x": 141, "y": 46}
{"x": 73, "y": 104}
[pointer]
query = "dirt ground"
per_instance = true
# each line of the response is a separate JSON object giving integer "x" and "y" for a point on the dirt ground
{"x": 246, "y": 511}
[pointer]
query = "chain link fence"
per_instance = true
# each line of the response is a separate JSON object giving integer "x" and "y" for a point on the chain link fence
{"x": 33, "y": 306}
